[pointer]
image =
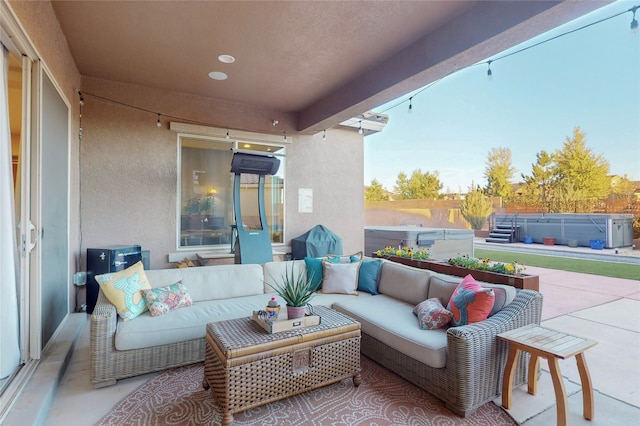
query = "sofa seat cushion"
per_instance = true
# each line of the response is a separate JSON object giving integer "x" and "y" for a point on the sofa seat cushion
{"x": 183, "y": 324}
{"x": 190, "y": 322}
{"x": 392, "y": 322}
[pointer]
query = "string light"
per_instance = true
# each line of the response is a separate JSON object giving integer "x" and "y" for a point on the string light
{"x": 360, "y": 128}
{"x": 227, "y": 133}
{"x": 410, "y": 103}
{"x": 324, "y": 135}
{"x": 159, "y": 124}
{"x": 634, "y": 27}
{"x": 285, "y": 135}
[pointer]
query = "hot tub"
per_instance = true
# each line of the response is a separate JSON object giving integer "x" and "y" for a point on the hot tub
{"x": 441, "y": 243}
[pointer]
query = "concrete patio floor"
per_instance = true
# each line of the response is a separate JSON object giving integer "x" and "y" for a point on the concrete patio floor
{"x": 603, "y": 309}
{"x": 599, "y": 308}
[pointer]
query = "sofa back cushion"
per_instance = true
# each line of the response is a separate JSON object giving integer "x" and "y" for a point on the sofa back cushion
{"x": 404, "y": 283}
{"x": 212, "y": 282}
{"x": 442, "y": 287}
{"x": 274, "y": 271}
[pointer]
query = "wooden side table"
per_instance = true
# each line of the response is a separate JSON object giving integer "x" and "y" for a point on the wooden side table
{"x": 552, "y": 345}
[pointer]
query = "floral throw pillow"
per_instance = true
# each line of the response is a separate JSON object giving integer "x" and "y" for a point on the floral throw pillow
{"x": 164, "y": 299}
{"x": 431, "y": 314}
{"x": 470, "y": 302}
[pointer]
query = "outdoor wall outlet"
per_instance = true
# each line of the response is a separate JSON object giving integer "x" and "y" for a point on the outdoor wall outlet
{"x": 79, "y": 278}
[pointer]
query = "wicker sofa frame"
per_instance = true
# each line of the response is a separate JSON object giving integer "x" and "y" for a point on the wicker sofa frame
{"x": 475, "y": 357}
{"x": 107, "y": 364}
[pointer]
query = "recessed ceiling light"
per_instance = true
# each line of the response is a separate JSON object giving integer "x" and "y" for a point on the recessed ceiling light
{"x": 227, "y": 59}
{"x": 217, "y": 75}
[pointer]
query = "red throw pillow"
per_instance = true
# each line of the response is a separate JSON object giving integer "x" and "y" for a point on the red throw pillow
{"x": 470, "y": 302}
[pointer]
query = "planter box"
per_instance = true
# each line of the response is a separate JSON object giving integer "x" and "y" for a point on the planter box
{"x": 528, "y": 282}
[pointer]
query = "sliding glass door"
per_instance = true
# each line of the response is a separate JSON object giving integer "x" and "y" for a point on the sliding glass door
{"x": 34, "y": 212}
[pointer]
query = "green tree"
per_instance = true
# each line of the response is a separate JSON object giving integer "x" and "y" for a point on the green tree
{"x": 475, "y": 208}
{"x": 544, "y": 175}
{"x": 499, "y": 172}
{"x": 376, "y": 192}
{"x": 401, "y": 190}
{"x": 563, "y": 199}
{"x": 419, "y": 186}
{"x": 583, "y": 173}
{"x": 622, "y": 188}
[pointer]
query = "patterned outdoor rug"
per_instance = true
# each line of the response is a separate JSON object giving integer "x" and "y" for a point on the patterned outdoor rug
{"x": 176, "y": 397}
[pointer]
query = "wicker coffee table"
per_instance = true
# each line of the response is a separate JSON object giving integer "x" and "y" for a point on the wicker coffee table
{"x": 245, "y": 366}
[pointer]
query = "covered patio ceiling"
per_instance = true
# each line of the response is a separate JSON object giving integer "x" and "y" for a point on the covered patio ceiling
{"x": 322, "y": 61}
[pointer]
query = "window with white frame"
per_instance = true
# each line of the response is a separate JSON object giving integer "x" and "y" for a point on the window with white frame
{"x": 205, "y": 193}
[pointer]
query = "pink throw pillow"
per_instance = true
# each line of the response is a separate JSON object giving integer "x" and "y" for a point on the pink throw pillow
{"x": 470, "y": 302}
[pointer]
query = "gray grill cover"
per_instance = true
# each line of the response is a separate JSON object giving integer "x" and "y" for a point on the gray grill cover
{"x": 317, "y": 242}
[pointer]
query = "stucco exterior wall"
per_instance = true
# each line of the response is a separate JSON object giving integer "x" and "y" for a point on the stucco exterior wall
{"x": 334, "y": 170}
{"x": 123, "y": 173}
{"x": 129, "y": 171}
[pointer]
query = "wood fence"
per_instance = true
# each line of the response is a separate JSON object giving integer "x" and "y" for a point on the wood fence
{"x": 596, "y": 205}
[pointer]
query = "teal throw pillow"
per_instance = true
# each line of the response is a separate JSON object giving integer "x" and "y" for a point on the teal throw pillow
{"x": 368, "y": 276}
{"x": 345, "y": 258}
{"x": 314, "y": 266}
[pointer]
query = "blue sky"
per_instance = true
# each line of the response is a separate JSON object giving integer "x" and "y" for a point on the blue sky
{"x": 533, "y": 101}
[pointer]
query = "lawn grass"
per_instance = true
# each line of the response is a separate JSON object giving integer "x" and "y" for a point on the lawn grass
{"x": 595, "y": 267}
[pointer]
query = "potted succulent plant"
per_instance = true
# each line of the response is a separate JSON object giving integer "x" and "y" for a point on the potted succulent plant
{"x": 296, "y": 290}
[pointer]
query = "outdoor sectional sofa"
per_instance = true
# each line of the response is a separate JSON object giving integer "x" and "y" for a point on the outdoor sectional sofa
{"x": 462, "y": 366}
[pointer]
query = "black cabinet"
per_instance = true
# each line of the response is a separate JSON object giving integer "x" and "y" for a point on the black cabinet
{"x": 107, "y": 259}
